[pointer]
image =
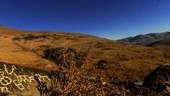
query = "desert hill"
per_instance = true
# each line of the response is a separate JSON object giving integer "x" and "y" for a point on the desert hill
{"x": 162, "y": 44}
{"x": 91, "y": 57}
{"x": 146, "y": 38}
{"x": 27, "y": 49}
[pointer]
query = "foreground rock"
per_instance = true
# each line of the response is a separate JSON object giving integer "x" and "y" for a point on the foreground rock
{"x": 158, "y": 78}
{"x": 19, "y": 81}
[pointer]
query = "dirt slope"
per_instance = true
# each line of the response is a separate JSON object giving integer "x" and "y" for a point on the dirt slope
{"x": 110, "y": 60}
{"x": 26, "y": 49}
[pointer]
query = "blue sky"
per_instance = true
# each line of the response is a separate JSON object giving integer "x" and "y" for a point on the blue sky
{"x": 113, "y": 19}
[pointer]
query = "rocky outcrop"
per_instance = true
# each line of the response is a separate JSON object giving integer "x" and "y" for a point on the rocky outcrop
{"x": 158, "y": 78}
{"x": 19, "y": 81}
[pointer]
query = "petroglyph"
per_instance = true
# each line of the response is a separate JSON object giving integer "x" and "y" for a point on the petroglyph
{"x": 13, "y": 76}
{"x": 4, "y": 89}
{"x": 4, "y": 80}
{"x": 42, "y": 78}
{"x": 6, "y": 70}
{"x": 18, "y": 85}
{"x": 23, "y": 78}
{"x": 31, "y": 78}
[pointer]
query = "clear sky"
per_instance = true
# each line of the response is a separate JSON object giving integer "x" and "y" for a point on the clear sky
{"x": 111, "y": 19}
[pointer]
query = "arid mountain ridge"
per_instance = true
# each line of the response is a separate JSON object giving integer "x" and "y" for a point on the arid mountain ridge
{"x": 146, "y": 39}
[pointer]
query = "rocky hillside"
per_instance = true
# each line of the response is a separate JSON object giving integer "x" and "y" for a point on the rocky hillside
{"x": 147, "y": 38}
{"x": 161, "y": 44}
{"x": 83, "y": 57}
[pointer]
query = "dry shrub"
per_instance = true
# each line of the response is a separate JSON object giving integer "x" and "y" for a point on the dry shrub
{"x": 122, "y": 57}
{"x": 16, "y": 39}
{"x": 101, "y": 64}
{"x": 72, "y": 38}
{"x": 32, "y": 37}
{"x": 66, "y": 56}
{"x": 166, "y": 53}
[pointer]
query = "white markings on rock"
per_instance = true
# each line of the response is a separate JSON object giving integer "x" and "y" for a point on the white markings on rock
{"x": 6, "y": 69}
{"x": 8, "y": 78}
{"x": 4, "y": 89}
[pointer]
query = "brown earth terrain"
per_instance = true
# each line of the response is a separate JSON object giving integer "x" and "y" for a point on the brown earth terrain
{"x": 91, "y": 57}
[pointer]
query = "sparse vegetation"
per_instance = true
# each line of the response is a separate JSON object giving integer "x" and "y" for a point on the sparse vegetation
{"x": 121, "y": 57}
{"x": 16, "y": 38}
{"x": 70, "y": 83}
{"x": 72, "y": 38}
{"x": 102, "y": 64}
{"x": 83, "y": 69}
{"x": 66, "y": 56}
{"x": 166, "y": 53}
{"x": 32, "y": 37}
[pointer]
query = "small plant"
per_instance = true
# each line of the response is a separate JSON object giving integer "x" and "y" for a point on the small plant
{"x": 101, "y": 64}
{"x": 32, "y": 37}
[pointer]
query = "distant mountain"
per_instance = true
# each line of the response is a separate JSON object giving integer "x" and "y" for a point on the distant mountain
{"x": 146, "y": 38}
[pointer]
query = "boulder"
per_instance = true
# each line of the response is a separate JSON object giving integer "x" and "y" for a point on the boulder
{"x": 158, "y": 78}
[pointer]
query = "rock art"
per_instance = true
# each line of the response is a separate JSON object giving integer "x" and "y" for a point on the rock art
{"x": 15, "y": 78}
